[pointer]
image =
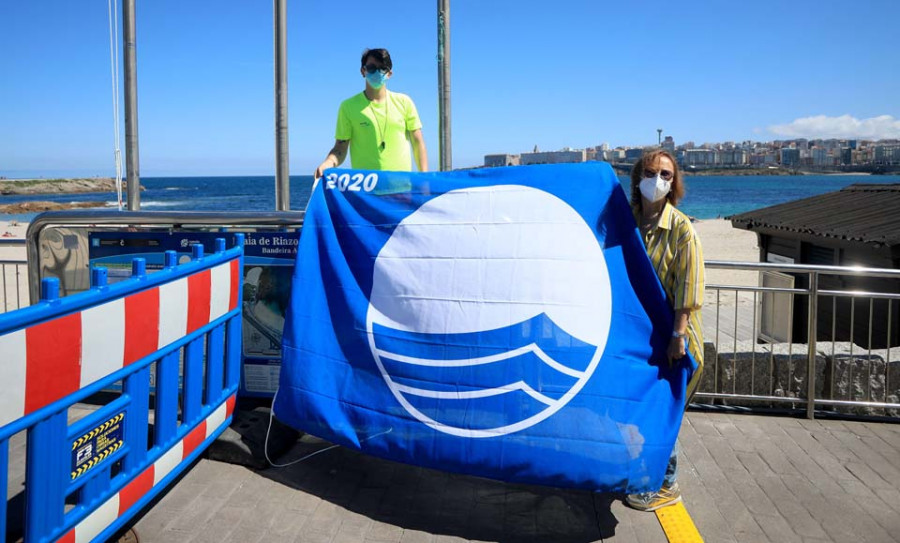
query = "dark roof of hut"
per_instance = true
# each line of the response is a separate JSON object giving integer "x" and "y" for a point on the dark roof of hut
{"x": 865, "y": 213}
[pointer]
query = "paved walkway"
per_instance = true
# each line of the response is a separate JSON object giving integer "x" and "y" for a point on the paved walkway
{"x": 746, "y": 478}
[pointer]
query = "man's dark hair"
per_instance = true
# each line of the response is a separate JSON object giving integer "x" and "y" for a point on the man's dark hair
{"x": 381, "y": 55}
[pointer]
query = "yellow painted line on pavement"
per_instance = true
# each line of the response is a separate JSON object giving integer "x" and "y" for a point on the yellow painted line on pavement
{"x": 677, "y": 524}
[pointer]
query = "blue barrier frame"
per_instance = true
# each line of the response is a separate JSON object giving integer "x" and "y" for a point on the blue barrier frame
{"x": 205, "y": 401}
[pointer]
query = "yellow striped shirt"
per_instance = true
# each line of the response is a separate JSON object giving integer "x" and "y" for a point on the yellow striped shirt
{"x": 674, "y": 249}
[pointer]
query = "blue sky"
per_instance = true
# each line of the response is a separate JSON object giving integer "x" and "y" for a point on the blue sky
{"x": 573, "y": 73}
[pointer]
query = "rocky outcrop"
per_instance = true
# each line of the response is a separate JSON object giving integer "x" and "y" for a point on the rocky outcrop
{"x": 36, "y": 207}
{"x": 58, "y": 186}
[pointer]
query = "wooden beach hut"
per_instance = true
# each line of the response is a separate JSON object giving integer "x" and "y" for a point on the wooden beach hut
{"x": 855, "y": 226}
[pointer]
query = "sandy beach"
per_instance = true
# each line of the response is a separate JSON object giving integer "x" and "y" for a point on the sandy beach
{"x": 13, "y": 276}
{"x": 12, "y": 230}
{"x": 721, "y": 241}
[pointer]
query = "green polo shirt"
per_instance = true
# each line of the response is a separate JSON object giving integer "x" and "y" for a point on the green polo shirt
{"x": 368, "y": 125}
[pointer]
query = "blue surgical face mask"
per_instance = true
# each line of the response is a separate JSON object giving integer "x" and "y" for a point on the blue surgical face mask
{"x": 376, "y": 79}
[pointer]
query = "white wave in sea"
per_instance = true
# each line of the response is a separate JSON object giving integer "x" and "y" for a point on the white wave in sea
{"x": 77, "y": 203}
{"x": 162, "y": 204}
{"x": 151, "y": 203}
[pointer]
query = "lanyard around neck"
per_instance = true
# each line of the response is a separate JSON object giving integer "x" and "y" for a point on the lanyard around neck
{"x": 387, "y": 105}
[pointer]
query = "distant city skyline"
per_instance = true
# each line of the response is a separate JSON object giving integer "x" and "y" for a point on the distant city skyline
{"x": 791, "y": 152}
{"x": 691, "y": 142}
{"x": 523, "y": 73}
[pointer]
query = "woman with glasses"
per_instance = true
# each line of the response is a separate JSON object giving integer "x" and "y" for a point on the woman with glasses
{"x": 674, "y": 250}
{"x": 376, "y": 125}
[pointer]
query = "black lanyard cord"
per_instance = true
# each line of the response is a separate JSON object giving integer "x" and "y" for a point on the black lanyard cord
{"x": 387, "y": 106}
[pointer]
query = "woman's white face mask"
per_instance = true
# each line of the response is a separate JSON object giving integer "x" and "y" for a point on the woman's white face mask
{"x": 655, "y": 189}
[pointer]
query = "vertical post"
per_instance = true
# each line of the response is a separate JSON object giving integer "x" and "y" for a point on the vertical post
{"x": 282, "y": 171}
{"x": 233, "y": 334}
{"x": 18, "y": 288}
{"x": 233, "y": 352}
{"x": 215, "y": 364}
{"x": 97, "y": 483}
{"x": 193, "y": 381}
{"x": 812, "y": 325}
{"x": 166, "y": 421}
{"x": 134, "y": 432}
{"x": 193, "y": 366}
{"x": 5, "y": 297}
{"x": 446, "y": 155}
{"x": 132, "y": 162}
{"x": 4, "y": 481}
{"x": 47, "y": 473}
{"x": 139, "y": 267}
{"x": 170, "y": 259}
{"x": 49, "y": 289}
{"x": 99, "y": 277}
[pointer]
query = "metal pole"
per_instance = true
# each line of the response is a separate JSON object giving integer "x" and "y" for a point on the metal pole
{"x": 282, "y": 170}
{"x": 812, "y": 325}
{"x": 446, "y": 155}
{"x": 132, "y": 160}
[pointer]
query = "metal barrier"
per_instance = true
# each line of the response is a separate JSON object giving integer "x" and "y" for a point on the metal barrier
{"x": 84, "y": 479}
{"x": 76, "y": 225}
{"x": 753, "y": 356}
{"x": 14, "y": 291}
{"x": 65, "y": 244}
{"x": 13, "y": 276}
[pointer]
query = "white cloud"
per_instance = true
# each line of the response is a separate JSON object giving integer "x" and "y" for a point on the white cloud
{"x": 845, "y": 126}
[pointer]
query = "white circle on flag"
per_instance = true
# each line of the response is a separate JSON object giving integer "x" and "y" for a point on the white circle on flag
{"x": 486, "y": 258}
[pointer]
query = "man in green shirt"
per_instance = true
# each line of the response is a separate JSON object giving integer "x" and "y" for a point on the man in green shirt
{"x": 377, "y": 126}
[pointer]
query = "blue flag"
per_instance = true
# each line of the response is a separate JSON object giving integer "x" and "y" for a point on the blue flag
{"x": 503, "y": 322}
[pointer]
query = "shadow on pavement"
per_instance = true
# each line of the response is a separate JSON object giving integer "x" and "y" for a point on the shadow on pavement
{"x": 415, "y": 498}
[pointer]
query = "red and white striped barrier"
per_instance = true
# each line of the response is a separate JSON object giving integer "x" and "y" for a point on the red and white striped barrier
{"x": 107, "y": 513}
{"x": 48, "y": 361}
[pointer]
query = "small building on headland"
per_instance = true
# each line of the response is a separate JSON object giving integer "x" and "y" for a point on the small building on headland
{"x": 553, "y": 157}
{"x": 500, "y": 160}
{"x": 856, "y": 226}
{"x": 538, "y": 157}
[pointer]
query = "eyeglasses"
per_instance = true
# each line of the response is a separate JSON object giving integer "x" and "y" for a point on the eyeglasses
{"x": 371, "y": 69}
{"x": 665, "y": 174}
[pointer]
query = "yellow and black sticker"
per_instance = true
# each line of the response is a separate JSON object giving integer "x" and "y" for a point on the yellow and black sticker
{"x": 96, "y": 445}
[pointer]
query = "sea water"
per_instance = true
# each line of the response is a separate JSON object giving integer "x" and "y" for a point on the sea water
{"x": 708, "y": 197}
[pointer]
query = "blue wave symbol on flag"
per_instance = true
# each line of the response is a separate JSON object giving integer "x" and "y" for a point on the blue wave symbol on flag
{"x": 487, "y": 379}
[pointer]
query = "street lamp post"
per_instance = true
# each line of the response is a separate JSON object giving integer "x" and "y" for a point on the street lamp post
{"x": 132, "y": 162}
{"x": 444, "y": 143}
{"x": 282, "y": 169}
